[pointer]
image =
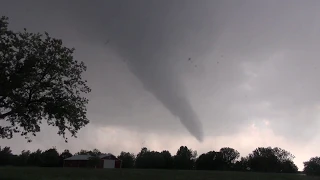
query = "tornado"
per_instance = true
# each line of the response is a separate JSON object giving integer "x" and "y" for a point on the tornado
{"x": 149, "y": 34}
{"x": 159, "y": 79}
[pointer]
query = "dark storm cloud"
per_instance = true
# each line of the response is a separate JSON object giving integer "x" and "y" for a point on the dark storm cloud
{"x": 147, "y": 35}
{"x": 257, "y": 67}
{"x": 267, "y": 54}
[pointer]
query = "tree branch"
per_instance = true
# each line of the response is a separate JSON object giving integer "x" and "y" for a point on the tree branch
{"x": 3, "y": 104}
{"x": 2, "y": 116}
{"x": 31, "y": 92}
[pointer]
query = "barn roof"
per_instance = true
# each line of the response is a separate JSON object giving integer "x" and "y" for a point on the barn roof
{"x": 78, "y": 157}
{"x": 86, "y": 157}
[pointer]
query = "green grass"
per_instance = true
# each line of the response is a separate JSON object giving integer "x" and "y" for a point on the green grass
{"x": 14, "y": 173}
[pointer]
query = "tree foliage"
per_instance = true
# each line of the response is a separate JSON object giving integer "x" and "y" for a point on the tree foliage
{"x": 209, "y": 161}
{"x": 242, "y": 164}
{"x": 35, "y": 158}
{"x": 149, "y": 159}
{"x": 50, "y": 158}
{"x": 94, "y": 152}
{"x": 127, "y": 159}
{"x": 222, "y": 160}
{"x": 168, "y": 159}
{"x": 64, "y": 155}
{"x": 229, "y": 155}
{"x": 271, "y": 160}
{"x": 5, "y": 154}
{"x": 184, "y": 158}
{"x": 312, "y": 167}
{"x": 39, "y": 80}
{"x": 82, "y": 152}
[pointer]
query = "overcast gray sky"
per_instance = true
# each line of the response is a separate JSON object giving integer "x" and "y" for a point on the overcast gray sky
{"x": 164, "y": 73}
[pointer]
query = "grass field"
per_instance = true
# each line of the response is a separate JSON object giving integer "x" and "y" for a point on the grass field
{"x": 13, "y": 173}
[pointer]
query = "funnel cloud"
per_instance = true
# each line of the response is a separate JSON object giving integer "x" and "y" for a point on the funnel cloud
{"x": 167, "y": 88}
{"x": 149, "y": 50}
{"x": 150, "y": 44}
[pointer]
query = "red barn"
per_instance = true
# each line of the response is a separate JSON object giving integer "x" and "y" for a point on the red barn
{"x": 107, "y": 161}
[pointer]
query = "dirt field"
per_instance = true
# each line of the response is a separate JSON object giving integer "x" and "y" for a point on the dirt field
{"x": 13, "y": 173}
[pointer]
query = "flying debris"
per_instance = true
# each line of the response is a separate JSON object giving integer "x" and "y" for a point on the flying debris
{"x": 192, "y": 62}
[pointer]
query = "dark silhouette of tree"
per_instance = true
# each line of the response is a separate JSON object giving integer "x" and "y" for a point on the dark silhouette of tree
{"x": 312, "y": 167}
{"x": 184, "y": 158}
{"x": 50, "y": 158}
{"x": 229, "y": 154}
{"x": 82, "y": 152}
{"x": 142, "y": 158}
{"x": 65, "y": 154}
{"x": 150, "y": 160}
{"x": 210, "y": 161}
{"x": 127, "y": 159}
{"x": 168, "y": 159}
{"x": 39, "y": 79}
{"x": 223, "y": 160}
{"x": 226, "y": 159}
{"x": 5, "y": 156}
{"x": 288, "y": 166}
{"x": 263, "y": 159}
{"x": 242, "y": 165}
{"x": 95, "y": 152}
{"x": 35, "y": 158}
{"x": 271, "y": 160}
{"x": 22, "y": 159}
{"x": 229, "y": 157}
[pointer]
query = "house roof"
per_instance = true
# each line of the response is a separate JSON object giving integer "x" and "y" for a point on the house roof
{"x": 86, "y": 157}
{"x": 79, "y": 157}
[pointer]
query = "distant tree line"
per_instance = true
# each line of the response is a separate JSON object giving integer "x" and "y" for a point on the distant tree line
{"x": 262, "y": 159}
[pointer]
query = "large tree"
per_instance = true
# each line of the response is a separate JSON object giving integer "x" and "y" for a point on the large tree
{"x": 5, "y": 155}
{"x": 127, "y": 159}
{"x": 229, "y": 156}
{"x": 168, "y": 159}
{"x": 50, "y": 158}
{"x": 267, "y": 159}
{"x": 35, "y": 158}
{"x": 312, "y": 167}
{"x": 210, "y": 161}
{"x": 147, "y": 159}
{"x": 39, "y": 80}
{"x": 223, "y": 160}
{"x": 184, "y": 158}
